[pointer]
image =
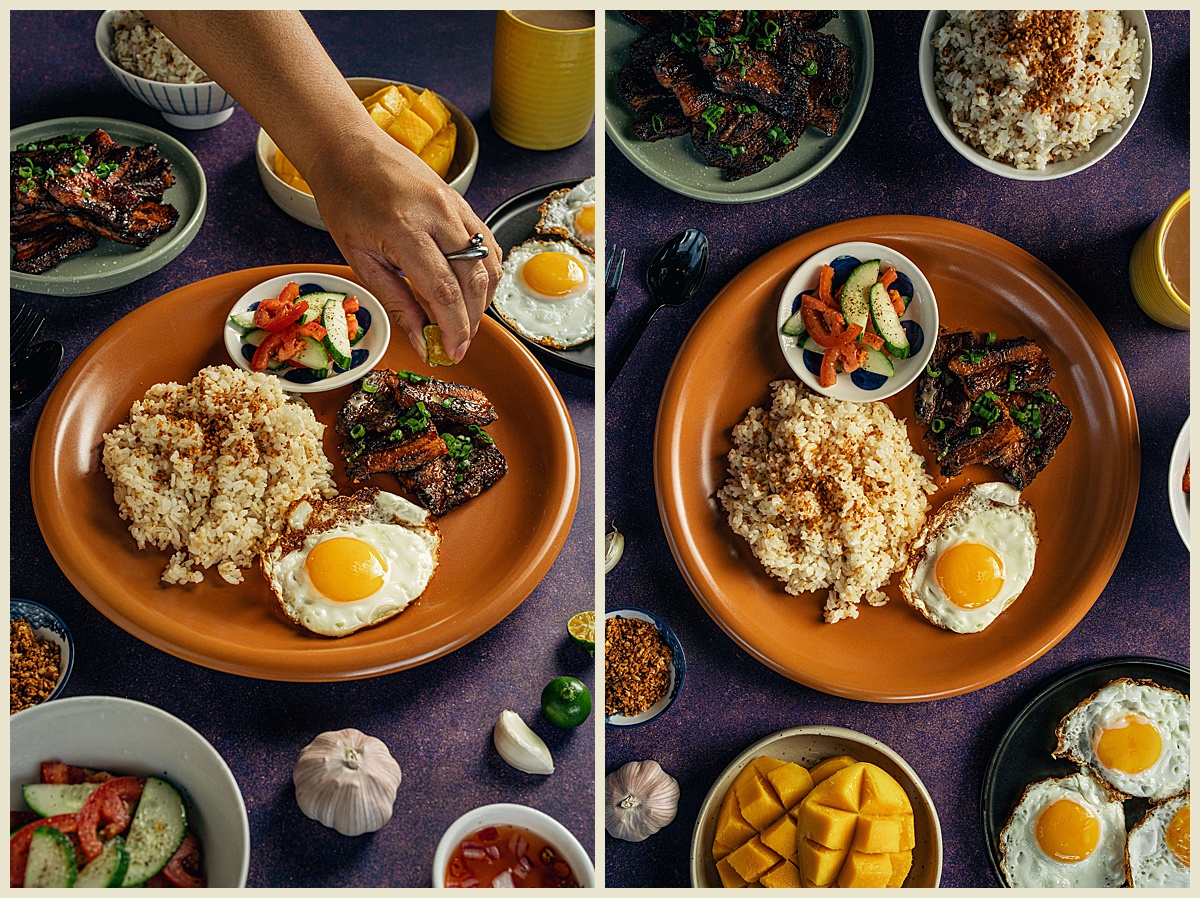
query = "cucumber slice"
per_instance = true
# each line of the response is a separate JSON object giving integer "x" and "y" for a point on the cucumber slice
{"x": 855, "y": 293}
{"x": 255, "y": 337}
{"x": 243, "y": 322}
{"x": 811, "y": 345}
{"x": 877, "y": 363}
{"x": 337, "y": 334}
{"x": 794, "y": 327}
{"x": 314, "y": 357}
{"x": 317, "y": 303}
{"x": 108, "y": 870}
{"x": 887, "y": 323}
{"x": 50, "y": 800}
{"x": 157, "y": 830}
{"x": 51, "y": 862}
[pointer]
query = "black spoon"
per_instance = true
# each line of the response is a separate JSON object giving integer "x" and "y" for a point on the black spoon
{"x": 33, "y": 370}
{"x": 674, "y": 276}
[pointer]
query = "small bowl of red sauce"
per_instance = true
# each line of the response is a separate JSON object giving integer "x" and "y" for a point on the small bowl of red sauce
{"x": 510, "y": 846}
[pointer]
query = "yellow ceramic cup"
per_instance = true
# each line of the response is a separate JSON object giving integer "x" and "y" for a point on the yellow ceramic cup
{"x": 544, "y": 77}
{"x": 1160, "y": 266}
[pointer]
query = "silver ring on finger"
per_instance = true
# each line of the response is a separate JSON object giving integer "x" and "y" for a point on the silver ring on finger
{"x": 474, "y": 250}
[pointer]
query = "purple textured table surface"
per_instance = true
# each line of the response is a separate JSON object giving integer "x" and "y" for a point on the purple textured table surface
{"x": 437, "y": 719}
{"x": 1084, "y": 228}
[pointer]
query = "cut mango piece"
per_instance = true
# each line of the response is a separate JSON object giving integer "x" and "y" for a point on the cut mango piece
{"x": 388, "y": 97}
{"x": 782, "y": 876}
{"x": 877, "y": 835}
{"x": 410, "y": 130}
{"x": 753, "y": 859}
{"x": 410, "y": 96}
{"x": 901, "y": 864}
{"x": 829, "y": 767}
{"x": 430, "y": 107}
{"x": 729, "y": 876}
{"x": 791, "y": 783}
{"x": 865, "y": 871}
{"x": 732, "y": 828}
{"x": 818, "y": 864}
{"x": 780, "y": 836}
{"x": 758, "y": 803}
{"x": 439, "y": 152}
{"x": 380, "y": 115}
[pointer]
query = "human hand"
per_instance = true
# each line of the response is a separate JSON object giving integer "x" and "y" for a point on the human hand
{"x": 391, "y": 215}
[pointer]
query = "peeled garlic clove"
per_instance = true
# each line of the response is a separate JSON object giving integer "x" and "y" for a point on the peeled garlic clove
{"x": 520, "y": 746}
{"x": 614, "y": 548}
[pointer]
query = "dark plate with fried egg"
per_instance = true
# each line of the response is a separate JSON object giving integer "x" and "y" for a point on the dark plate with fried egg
{"x": 512, "y": 223}
{"x": 1024, "y": 754}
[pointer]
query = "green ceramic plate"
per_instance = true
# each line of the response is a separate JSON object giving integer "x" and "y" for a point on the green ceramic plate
{"x": 111, "y": 265}
{"x": 676, "y": 165}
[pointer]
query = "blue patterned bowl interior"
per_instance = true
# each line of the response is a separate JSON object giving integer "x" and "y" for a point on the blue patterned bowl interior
{"x": 677, "y": 670}
{"x": 303, "y": 375}
{"x": 47, "y": 625}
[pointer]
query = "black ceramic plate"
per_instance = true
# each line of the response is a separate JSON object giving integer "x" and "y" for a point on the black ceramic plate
{"x": 1023, "y": 754}
{"x": 513, "y": 222}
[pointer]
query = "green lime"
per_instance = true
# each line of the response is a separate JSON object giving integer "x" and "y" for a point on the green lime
{"x": 566, "y": 702}
{"x": 582, "y": 628}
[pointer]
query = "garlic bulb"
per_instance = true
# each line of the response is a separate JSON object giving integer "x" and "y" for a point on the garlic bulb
{"x": 347, "y": 780}
{"x": 520, "y": 746}
{"x": 639, "y": 800}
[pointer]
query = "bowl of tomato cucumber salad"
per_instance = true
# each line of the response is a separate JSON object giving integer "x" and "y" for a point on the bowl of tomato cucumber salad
{"x": 110, "y": 792}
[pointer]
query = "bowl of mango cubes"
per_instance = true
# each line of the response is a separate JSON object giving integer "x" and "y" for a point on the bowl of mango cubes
{"x": 417, "y": 118}
{"x": 817, "y": 806}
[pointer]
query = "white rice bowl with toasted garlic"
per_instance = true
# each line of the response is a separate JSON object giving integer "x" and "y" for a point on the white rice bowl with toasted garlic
{"x": 1009, "y": 97}
{"x": 209, "y": 468}
{"x": 829, "y": 494}
{"x": 143, "y": 50}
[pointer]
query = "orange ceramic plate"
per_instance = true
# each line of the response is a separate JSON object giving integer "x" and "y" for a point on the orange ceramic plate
{"x": 495, "y": 549}
{"x": 1084, "y": 498}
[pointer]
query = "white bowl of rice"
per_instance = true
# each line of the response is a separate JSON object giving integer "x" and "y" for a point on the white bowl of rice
{"x": 158, "y": 73}
{"x": 1017, "y": 111}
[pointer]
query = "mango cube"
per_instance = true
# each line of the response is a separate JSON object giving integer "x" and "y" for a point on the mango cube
{"x": 432, "y": 109}
{"x": 439, "y": 152}
{"x": 410, "y": 96}
{"x": 410, "y": 130}
{"x": 877, "y": 835}
{"x": 758, "y": 803}
{"x": 901, "y": 864}
{"x": 753, "y": 859}
{"x": 818, "y": 864}
{"x": 729, "y": 876}
{"x": 865, "y": 871}
{"x": 829, "y": 767}
{"x": 388, "y": 97}
{"x": 380, "y": 115}
{"x": 782, "y": 876}
{"x": 791, "y": 783}
{"x": 780, "y": 836}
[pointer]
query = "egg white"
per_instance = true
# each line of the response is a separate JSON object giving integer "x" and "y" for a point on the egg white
{"x": 1152, "y": 864}
{"x": 561, "y": 209}
{"x": 559, "y": 322}
{"x": 1024, "y": 863}
{"x": 991, "y": 514}
{"x": 397, "y": 530}
{"x": 1168, "y": 710}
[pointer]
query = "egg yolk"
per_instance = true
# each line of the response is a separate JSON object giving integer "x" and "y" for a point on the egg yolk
{"x": 585, "y": 221}
{"x": 1179, "y": 835}
{"x": 345, "y": 569}
{"x": 970, "y": 574}
{"x": 554, "y": 274}
{"x": 1067, "y": 832}
{"x": 1129, "y": 744}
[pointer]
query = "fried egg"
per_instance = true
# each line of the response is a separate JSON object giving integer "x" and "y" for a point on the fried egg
{"x": 1159, "y": 848}
{"x": 547, "y": 293}
{"x": 352, "y": 561}
{"x": 1134, "y": 735}
{"x": 972, "y": 558}
{"x": 571, "y": 213}
{"x": 1065, "y": 833}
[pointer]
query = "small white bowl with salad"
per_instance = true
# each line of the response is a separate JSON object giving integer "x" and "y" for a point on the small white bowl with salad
{"x": 857, "y": 321}
{"x": 316, "y": 332}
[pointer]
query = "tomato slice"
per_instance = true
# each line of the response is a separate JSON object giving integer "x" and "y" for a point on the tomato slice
{"x": 55, "y": 773}
{"x": 829, "y": 367}
{"x": 266, "y": 351}
{"x": 276, "y": 314}
{"x": 851, "y": 356}
{"x": 185, "y": 869}
{"x": 826, "y": 325}
{"x": 825, "y": 284}
{"x": 18, "y": 845}
{"x": 313, "y": 329}
{"x": 110, "y": 801}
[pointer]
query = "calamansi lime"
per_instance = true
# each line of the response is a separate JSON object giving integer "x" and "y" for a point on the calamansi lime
{"x": 582, "y": 628}
{"x": 566, "y": 702}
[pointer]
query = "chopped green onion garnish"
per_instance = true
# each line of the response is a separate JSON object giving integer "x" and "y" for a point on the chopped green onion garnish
{"x": 991, "y": 338}
{"x": 810, "y": 68}
{"x": 976, "y": 431}
{"x": 933, "y": 372}
{"x": 937, "y": 425}
{"x": 357, "y": 431}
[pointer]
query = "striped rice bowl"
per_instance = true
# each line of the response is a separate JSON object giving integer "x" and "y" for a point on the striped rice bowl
{"x": 145, "y": 51}
{"x": 208, "y": 468}
{"x": 1035, "y": 87}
